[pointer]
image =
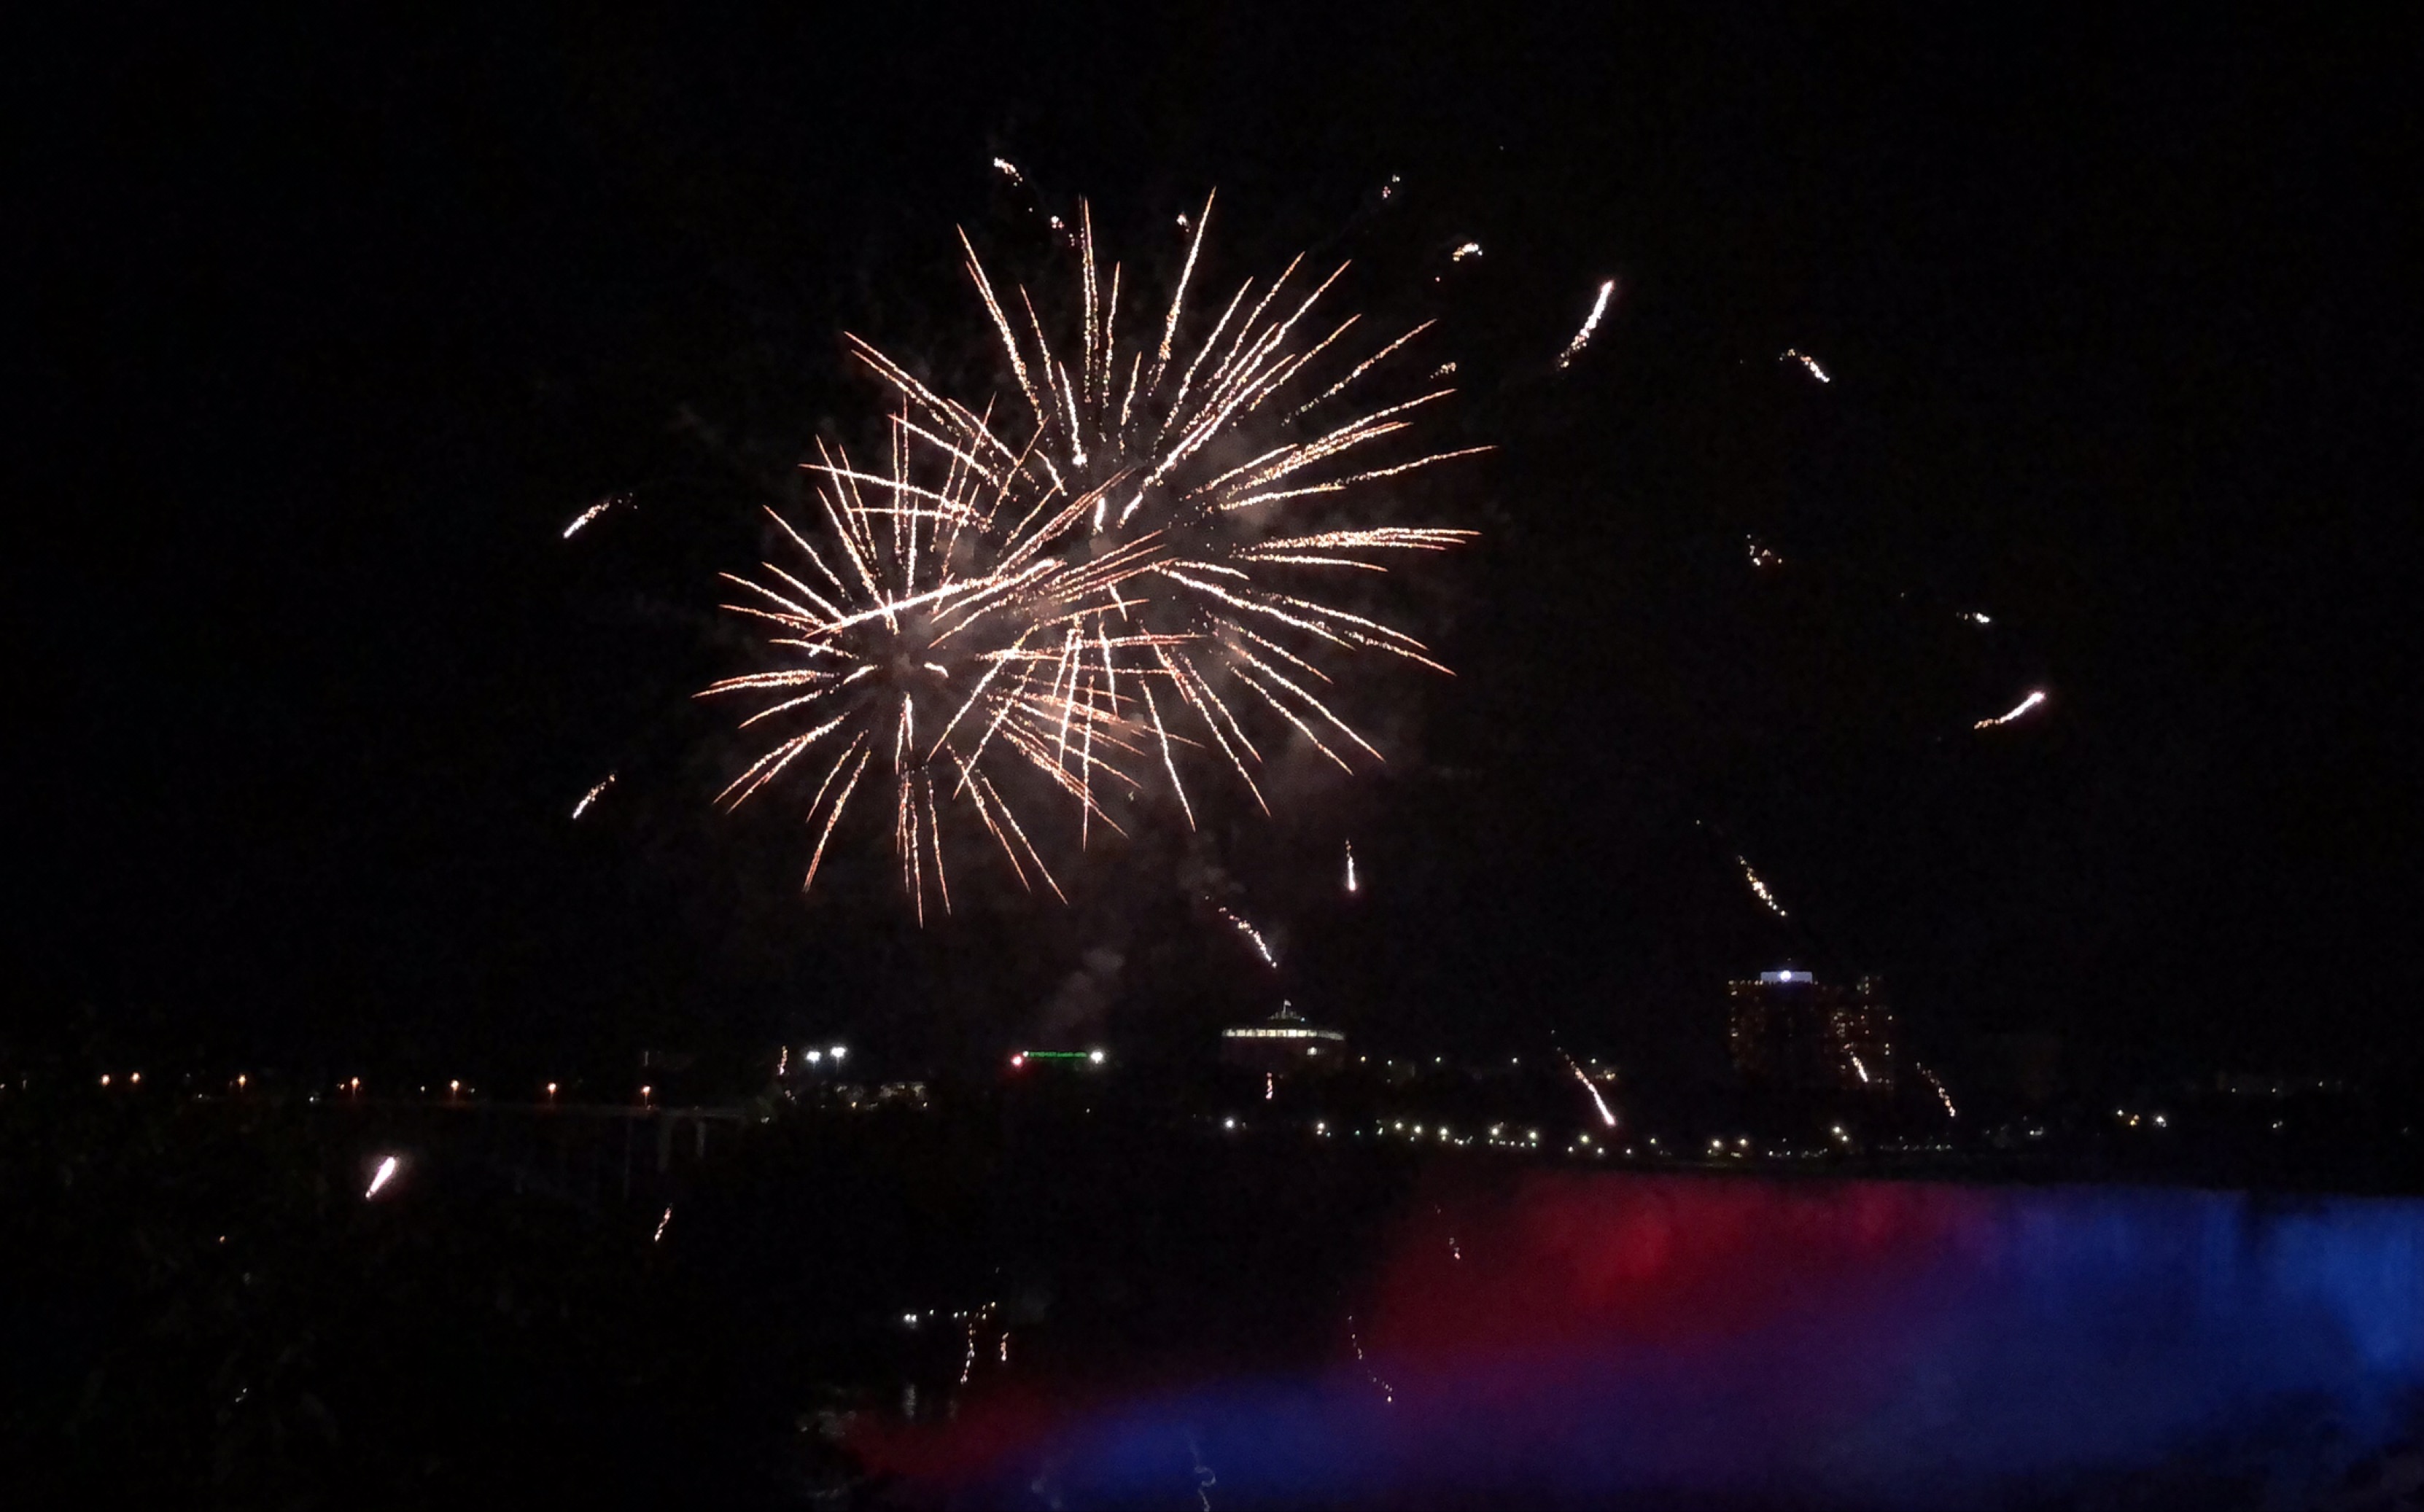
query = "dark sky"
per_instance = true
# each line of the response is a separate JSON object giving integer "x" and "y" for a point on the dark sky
{"x": 325, "y": 326}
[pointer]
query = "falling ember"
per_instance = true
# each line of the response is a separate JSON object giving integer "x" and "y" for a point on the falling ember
{"x": 660, "y": 1235}
{"x": 583, "y": 519}
{"x": 385, "y": 1173}
{"x": 2036, "y": 697}
{"x": 1941, "y": 1096}
{"x": 1255, "y": 937}
{"x": 1975, "y": 617}
{"x": 1008, "y": 170}
{"x": 1350, "y": 866}
{"x": 1079, "y": 580}
{"x": 1468, "y": 249}
{"x": 1788, "y": 355}
{"x": 1606, "y": 1116}
{"x": 1270, "y": 1086}
{"x": 592, "y": 796}
{"x": 1761, "y": 556}
{"x": 1758, "y": 888}
{"x": 1590, "y": 326}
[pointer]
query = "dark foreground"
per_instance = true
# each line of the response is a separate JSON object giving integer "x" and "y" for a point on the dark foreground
{"x": 978, "y": 1305}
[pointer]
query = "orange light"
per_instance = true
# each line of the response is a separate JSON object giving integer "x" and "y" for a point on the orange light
{"x": 645, "y": 1091}
{"x": 136, "y": 1080}
{"x": 105, "y": 1079}
{"x": 551, "y": 1089}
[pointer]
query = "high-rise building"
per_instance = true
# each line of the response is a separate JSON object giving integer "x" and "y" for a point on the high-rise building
{"x": 1790, "y": 1031}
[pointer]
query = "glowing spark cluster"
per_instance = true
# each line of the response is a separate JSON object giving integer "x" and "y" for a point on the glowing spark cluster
{"x": 1350, "y": 866}
{"x": 2036, "y": 697}
{"x": 1762, "y": 556}
{"x": 1941, "y": 1096}
{"x": 1590, "y": 326}
{"x": 1758, "y": 888}
{"x": 385, "y": 1173}
{"x": 1468, "y": 249}
{"x": 592, "y": 796}
{"x": 1008, "y": 170}
{"x": 1976, "y": 618}
{"x": 658, "y": 1236}
{"x": 1069, "y": 586}
{"x": 1789, "y": 355}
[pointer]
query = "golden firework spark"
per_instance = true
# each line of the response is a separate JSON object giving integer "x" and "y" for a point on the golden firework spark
{"x": 1092, "y": 576}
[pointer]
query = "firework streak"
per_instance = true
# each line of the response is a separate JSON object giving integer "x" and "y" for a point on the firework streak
{"x": 1095, "y": 577}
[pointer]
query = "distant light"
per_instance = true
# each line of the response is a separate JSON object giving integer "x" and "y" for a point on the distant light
{"x": 837, "y": 1052}
{"x": 239, "y": 1080}
{"x": 645, "y": 1090}
{"x": 815, "y": 1056}
{"x": 136, "y": 1080}
{"x": 551, "y": 1089}
{"x": 1019, "y": 1059}
{"x": 453, "y": 1087}
{"x": 1228, "y": 1123}
{"x": 1095, "y": 1055}
{"x": 385, "y": 1174}
{"x": 910, "y": 1319}
{"x": 105, "y": 1079}
{"x": 661, "y": 1226}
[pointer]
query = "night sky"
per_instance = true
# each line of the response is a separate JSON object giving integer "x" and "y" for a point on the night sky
{"x": 325, "y": 327}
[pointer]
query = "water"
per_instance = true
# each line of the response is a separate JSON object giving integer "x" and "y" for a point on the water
{"x": 1585, "y": 1340}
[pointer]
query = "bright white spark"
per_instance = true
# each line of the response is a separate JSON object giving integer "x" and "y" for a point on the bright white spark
{"x": 661, "y": 1226}
{"x": 592, "y": 796}
{"x": 1761, "y": 556}
{"x": 1758, "y": 888}
{"x": 1350, "y": 866}
{"x": 1789, "y": 355}
{"x": 2036, "y": 697}
{"x": 386, "y": 1173}
{"x": 1009, "y": 169}
{"x": 1590, "y": 324}
{"x": 1975, "y": 617}
{"x": 1468, "y": 249}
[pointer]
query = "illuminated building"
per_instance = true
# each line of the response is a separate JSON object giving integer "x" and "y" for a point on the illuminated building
{"x": 1788, "y": 1030}
{"x": 1283, "y": 1043}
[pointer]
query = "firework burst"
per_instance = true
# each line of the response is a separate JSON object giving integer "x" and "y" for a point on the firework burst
{"x": 1100, "y": 573}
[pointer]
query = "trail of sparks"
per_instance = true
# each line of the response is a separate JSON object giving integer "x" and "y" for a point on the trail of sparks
{"x": 1253, "y": 936}
{"x": 1606, "y": 1116}
{"x": 1351, "y": 867}
{"x": 385, "y": 1173}
{"x": 581, "y": 520}
{"x": 1081, "y": 586}
{"x": 592, "y": 796}
{"x": 1762, "y": 556}
{"x": 1468, "y": 249}
{"x": 1941, "y": 1096}
{"x": 657, "y": 1238}
{"x": 2036, "y": 697}
{"x": 1590, "y": 326}
{"x": 1758, "y": 888}
{"x": 1789, "y": 355}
